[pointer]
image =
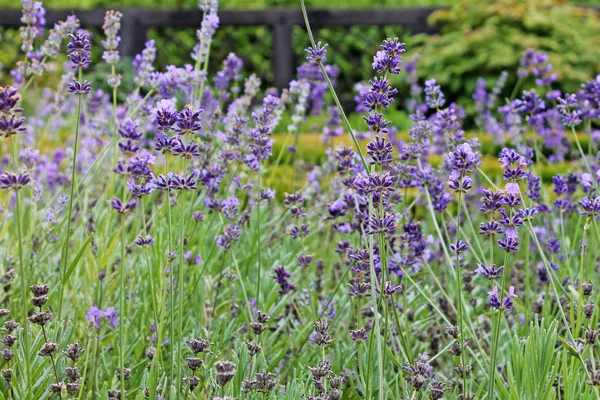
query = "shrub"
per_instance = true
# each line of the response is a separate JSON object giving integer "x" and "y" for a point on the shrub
{"x": 482, "y": 39}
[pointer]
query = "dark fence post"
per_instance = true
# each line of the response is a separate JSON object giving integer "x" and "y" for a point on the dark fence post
{"x": 283, "y": 52}
{"x": 133, "y": 35}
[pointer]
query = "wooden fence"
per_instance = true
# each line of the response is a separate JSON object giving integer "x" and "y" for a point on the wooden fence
{"x": 136, "y": 22}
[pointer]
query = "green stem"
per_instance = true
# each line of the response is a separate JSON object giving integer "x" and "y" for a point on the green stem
{"x": 66, "y": 247}
{"x": 180, "y": 284}
{"x": 581, "y": 277}
{"x": 258, "y": 244}
{"x": 583, "y": 157}
{"x": 122, "y": 298}
{"x": 460, "y": 305}
{"x": 171, "y": 275}
{"x": 333, "y": 93}
{"x": 23, "y": 274}
{"x": 496, "y": 332}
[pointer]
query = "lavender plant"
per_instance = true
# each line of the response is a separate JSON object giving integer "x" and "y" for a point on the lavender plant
{"x": 188, "y": 249}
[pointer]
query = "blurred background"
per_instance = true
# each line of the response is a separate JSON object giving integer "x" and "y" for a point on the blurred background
{"x": 463, "y": 40}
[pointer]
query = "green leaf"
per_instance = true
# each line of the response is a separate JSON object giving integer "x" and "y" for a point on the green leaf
{"x": 77, "y": 258}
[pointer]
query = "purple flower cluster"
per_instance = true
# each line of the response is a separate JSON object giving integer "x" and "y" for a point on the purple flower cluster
{"x": 95, "y": 316}
{"x": 535, "y": 63}
{"x": 11, "y": 120}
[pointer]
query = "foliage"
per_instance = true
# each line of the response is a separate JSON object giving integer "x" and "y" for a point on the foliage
{"x": 233, "y": 4}
{"x": 145, "y": 250}
{"x": 249, "y": 4}
{"x": 482, "y": 39}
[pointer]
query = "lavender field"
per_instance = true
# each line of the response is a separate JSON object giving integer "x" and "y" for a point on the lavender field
{"x": 204, "y": 236}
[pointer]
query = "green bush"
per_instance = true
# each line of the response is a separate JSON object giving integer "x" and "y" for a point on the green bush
{"x": 481, "y": 39}
{"x": 478, "y": 39}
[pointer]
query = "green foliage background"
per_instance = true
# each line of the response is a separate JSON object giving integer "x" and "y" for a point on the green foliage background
{"x": 479, "y": 38}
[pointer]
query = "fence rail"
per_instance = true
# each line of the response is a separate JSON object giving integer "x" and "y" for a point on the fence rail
{"x": 137, "y": 21}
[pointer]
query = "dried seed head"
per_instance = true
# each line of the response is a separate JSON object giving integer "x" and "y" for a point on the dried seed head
{"x": 57, "y": 387}
{"x": 319, "y": 387}
{"x": 74, "y": 351}
{"x": 225, "y": 371}
{"x": 591, "y": 335}
{"x": 102, "y": 274}
{"x": 126, "y": 373}
{"x": 247, "y": 385}
{"x": 41, "y": 318}
{"x": 437, "y": 389}
{"x": 199, "y": 345}
{"x": 459, "y": 370}
{"x": 321, "y": 335}
{"x": 8, "y": 276}
{"x": 48, "y": 349}
{"x": 588, "y": 310}
{"x": 7, "y": 374}
{"x": 321, "y": 371}
{"x": 262, "y": 317}
{"x": 367, "y": 312}
{"x": 73, "y": 387}
{"x": 72, "y": 373}
{"x": 150, "y": 352}
{"x": 39, "y": 301}
{"x": 594, "y": 378}
{"x": 194, "y": 363}
{"x": 334, "y": 394}
{"x": 39, "y": 290}
{"x": 234, "y": 309}
{"x": 453, "y": 331}
{"x": 265, "y": 382}
{"x": 9, "y": 340}
{"x": 587, "y": 288}
{"x": 193, "y": 381}
{"x": 336, "y": 382}
{"x": 4, "y": 312}
{"x": 7, "y": 354}
{"x": 257, "y": 327}
{"x": 253, "y": 348}
{"x": 11, "y": 325}
{"x": 456, "y": 348}
{"x": 114, "y": 394}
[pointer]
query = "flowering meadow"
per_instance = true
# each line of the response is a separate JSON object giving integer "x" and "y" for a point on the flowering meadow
{"x": 171, "y": 243}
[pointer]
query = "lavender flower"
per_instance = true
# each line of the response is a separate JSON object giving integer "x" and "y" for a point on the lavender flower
{"x": 165, "y": 115}
{"x": 123, "y": 208}
{"x": 434, "y": 96}
{"x": 490, "y": 272}
{"x": 589, "y": 207}
{"x": 388, "y": 58}
{"x": 111, "y": 27}
{"x": 188, "y": 121}
{"x": 380, "y": 151}
{"x": 497, "y": 303}
{"x": 143, "y": 64}
{"x": 80, "y": 88}
{"x": 316, "y": 54}
{"x": 569, "y": 110}
{"x": 144, "y": 241}
{"x": 79, "y": 50}
{"x": 12, "y": 181}
{"x": 282, "y": 278}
